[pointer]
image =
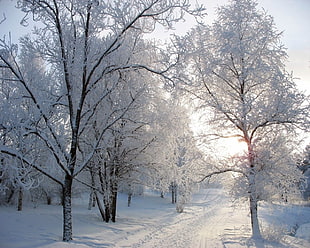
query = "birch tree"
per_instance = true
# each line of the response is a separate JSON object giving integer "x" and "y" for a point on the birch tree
{"x": 78, "y": 42}
{"x": 241, "y": 82}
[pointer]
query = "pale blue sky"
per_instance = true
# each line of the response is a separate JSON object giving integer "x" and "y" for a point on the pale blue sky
{"x": 291, "y": 16}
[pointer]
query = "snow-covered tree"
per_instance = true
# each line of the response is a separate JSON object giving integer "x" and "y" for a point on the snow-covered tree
{"x": 79, "y": 42}
{"x": 16, "y": 176}
{"x": 176, "y": 166}
{"x": 238, "y": 68}
{"x": 189, "y": 164}
{"x": 303, "y": 164}
{"x": 121, "y": 160}
{"x": 277, "y": 177}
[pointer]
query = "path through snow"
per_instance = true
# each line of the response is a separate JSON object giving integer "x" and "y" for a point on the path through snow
{"x": 226, "y": 226}
{"x": 209, "y": 221}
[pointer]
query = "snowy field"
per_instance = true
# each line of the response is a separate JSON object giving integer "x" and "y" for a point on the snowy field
{"x": 210, "y": 220}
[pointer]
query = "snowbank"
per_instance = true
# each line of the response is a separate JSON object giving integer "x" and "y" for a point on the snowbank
{"x": 303, "y": 232}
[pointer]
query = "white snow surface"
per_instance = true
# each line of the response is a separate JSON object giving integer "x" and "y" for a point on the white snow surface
{"x": 210, "y": 220}
{"x": 304, "y": 231}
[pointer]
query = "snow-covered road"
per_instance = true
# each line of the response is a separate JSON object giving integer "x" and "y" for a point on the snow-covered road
{"x": 224, "y": 226}
{"x": 209, "y": 221}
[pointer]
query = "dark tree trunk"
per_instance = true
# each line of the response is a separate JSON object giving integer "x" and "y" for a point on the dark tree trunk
{"x": 129, "y": 199}
{"x": 62, "y": 199}
{"x": 100, "y": 207}
{"x": 173, "y": 193}
{"x": 10, "y": 195}
{"x": 254, "y": 218}
{"x": 114, "y": 201}
{"x": 107, "y": 212}
{"x": 162, "y": 194}
{"x": 90, "y": 200}
{"x": 48, "y": 197}
{"x": 48, "y": 200}
{"x": 94, "y": 201}
{"x": 107, "y": 199}
{"x": 67, "y": 209}
{"x": 20, "y": 200}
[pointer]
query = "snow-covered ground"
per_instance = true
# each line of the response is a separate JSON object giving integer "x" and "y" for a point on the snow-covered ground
{"x": 211, "y": 220}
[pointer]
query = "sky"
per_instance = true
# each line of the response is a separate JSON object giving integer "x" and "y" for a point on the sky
{"x": 291, "y": 16}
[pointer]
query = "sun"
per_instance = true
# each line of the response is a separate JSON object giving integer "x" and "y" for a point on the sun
{"x": 227, "y": 146}
{"x": 232, "y": 146}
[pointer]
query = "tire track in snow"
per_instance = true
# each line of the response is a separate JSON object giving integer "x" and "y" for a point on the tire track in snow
{"x": 184, "y": 229}
{"x": 226, "y": 227}
{"x": 211, "y": 234}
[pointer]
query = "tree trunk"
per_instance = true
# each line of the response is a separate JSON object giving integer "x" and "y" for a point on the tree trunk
{"x": 102, "y": 172}
{"x": 107, "y": 203}
{"x": 162, "y": 194}
{"x": 90, "y": 200}
{"x": 94, "y": 200}
{"x": 10, "y": 195}
{"x": 101, "y": 210}
{"x": 173, "y": 193}
{"x": 107, "y": 212}
{"x": 91, "y": 194}
{"x": 129, "y": 199}
{"x": 20, "y": 199}
{"x": 67, "y": 209}
{"x": 254, "y": 218}
{"x": 48, "y": 197}
{"x": 256, "y": 234}
{"x": 114, "y": 201}
{"x": 48, "y": 200}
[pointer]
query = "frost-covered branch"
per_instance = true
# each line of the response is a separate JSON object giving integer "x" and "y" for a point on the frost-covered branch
{"x": 204, "y": 177}
{"x": 13, "y": 153}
